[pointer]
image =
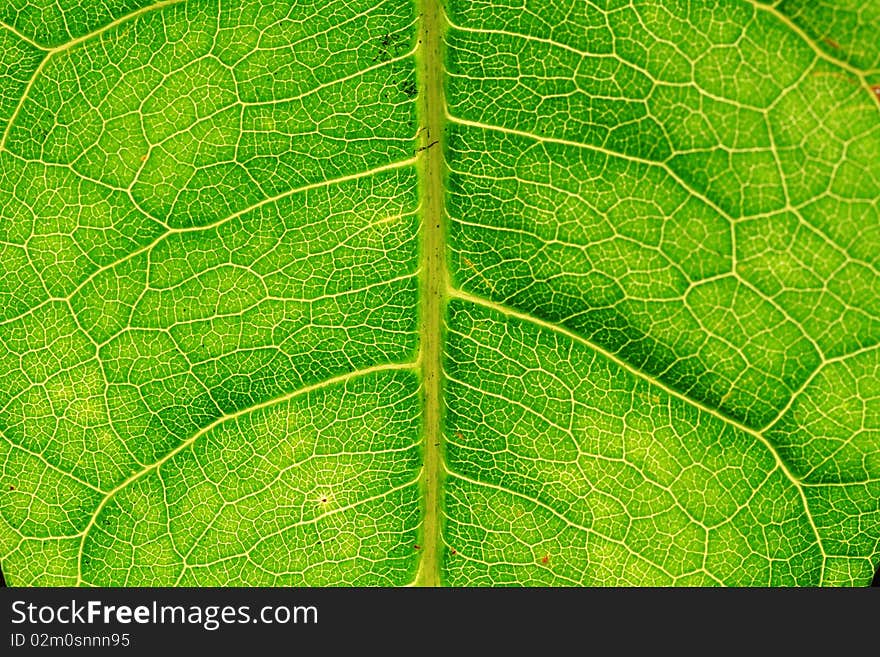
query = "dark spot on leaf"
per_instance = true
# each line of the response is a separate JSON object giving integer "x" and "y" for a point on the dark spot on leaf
{"x": 417, "y": 547}
{"x": 545, "y": 558}
{"x": 388, "y": 46}
{"x": 409, "y": 88}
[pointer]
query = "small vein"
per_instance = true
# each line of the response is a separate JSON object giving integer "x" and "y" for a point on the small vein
{"x": 24, "y": 37}
{"x": 49, "y": 464}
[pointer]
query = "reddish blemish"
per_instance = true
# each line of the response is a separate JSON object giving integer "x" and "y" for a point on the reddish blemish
{"x": 545, "y": 558}
{"x": 417, "y": 547}
{"x": 324, "y": 499}
{"x": 831, "y": 43}
{"x": 876, "y": 90}
{"x": 453, "y": 552}
{"x": 143, "y": 158}
{"x": 12, "y": 488}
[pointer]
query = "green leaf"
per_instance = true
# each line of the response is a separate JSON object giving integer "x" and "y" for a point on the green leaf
{"x": 483, "y": 292}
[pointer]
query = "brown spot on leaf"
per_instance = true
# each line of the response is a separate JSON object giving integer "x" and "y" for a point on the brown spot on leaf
{"x": 832, "y": 43}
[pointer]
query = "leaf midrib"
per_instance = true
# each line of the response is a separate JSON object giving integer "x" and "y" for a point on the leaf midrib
{"x": 434, "y": 281}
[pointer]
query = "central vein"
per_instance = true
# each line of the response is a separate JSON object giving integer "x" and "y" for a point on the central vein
{"x": 433, "y": 280}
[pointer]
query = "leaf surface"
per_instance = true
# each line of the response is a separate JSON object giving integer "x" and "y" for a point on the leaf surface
{"x": 489, "y": 293}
